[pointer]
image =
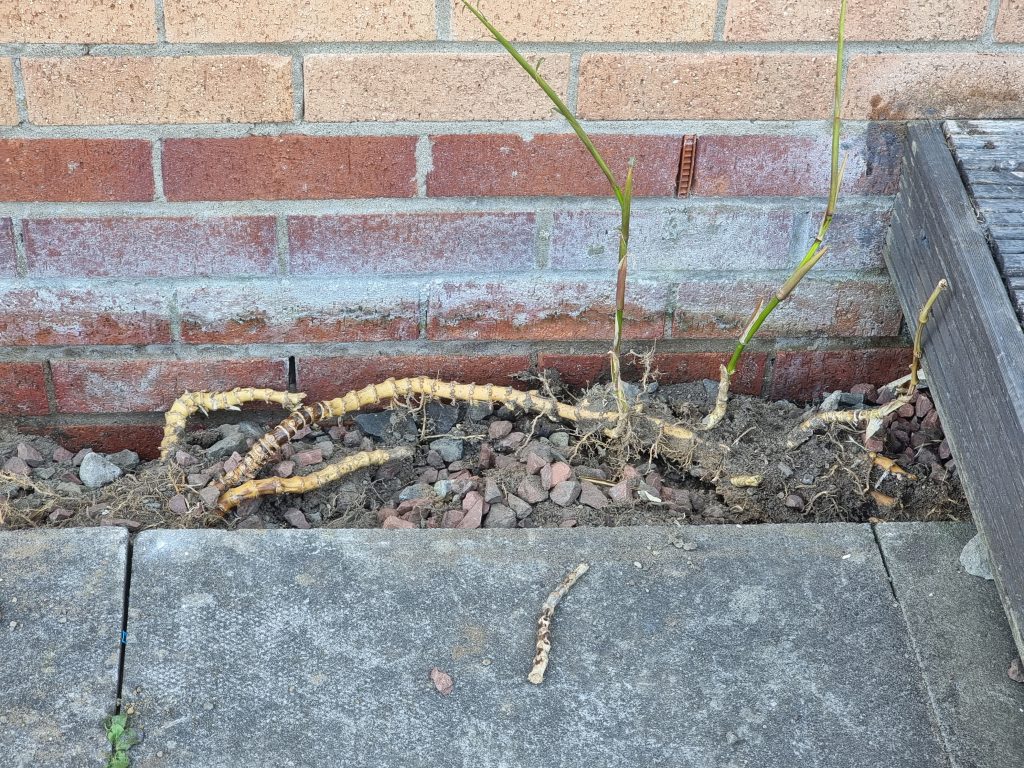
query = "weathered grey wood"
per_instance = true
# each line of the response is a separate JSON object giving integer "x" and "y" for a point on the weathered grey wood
{"x": 974, "y": 348}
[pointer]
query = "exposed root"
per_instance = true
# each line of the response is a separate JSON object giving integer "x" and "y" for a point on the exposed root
{"x": 547, "y": 613}
{"x": 681, "y": 439}
{"x": 190, "y": 402}
{"x": 714, "y": 418}
{"x": 270, "y": 486}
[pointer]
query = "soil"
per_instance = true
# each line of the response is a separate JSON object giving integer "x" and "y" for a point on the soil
{"x": 494, "y": 459}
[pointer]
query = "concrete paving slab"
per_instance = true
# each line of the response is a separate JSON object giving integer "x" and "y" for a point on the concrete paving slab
{"x": 765, "y": 646}
{"x": 962, "y": 637}
{"x": 61, "y": 611}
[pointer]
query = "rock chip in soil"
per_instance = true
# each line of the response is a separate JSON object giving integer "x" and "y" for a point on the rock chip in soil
{"x": 296, "y": 519}
{"x": 492, "y": 493}
{"x": 126, "y": 460}
{"x": 555, "y": 474}
{"x": 519, "y": 506}
{"x": 416, "y": 491}
{"x": 531, "y": 490}
{"x": 62, "y": 455}
{"x": 592, "y": 496}
{"x": 449, "y": 448}
{"x": 474, "y": 506}
{"x": 308, "y": 457}
{"x": 376, "y": 424}
{"x": 177, "y": 504}
{"x": 29, "y": 455}
{"x": 209, "y": 495}
{"x": 184, "y": 459}
{"x": 234, "y": 440}
{"x": 16, "y": 466}
{"x": 59, "y": 514}
{"x": 79, "y": 457}
{"x": 96, "y": 471}
{"x": 500, "y": 516}
{"x": 131, "y": 525}
{"x": 396, "y": 523}
{"x": 565, "y": 493}
{"x": 499, "y": 429}
{"x": 974, "y": 558}
{"x": 442, "y": 416}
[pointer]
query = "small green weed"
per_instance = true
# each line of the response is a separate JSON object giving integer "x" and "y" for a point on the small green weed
{"x": 121, "y": 738}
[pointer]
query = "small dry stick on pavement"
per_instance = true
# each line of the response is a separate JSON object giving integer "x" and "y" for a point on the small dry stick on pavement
{"x": 547, "y": 613}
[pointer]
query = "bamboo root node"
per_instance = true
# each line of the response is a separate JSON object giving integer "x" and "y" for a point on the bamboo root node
{"x": 540, "y": 661}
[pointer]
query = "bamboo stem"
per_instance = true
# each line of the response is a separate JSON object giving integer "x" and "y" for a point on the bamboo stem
{"x": 547, "y": 613}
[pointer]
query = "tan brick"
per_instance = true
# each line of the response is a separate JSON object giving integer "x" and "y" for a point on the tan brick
{"x": 77, "y": 21}
{"x": 1010, "y": 22}
{"x": 720, "y": 86}
{"x": 426, "y": 86}
{"x": 163, "y": 89}
{"x": 8, "y": 106}
{"x": 865, "y": 20}
{"x": 263, "y": 21}
{"x": 931, "y": 85}
{"x": 593, "y": 21}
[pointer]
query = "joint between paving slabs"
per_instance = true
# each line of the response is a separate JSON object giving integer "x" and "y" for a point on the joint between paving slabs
{"x": 885, "y": 562}
{"x": 123, "y": 637}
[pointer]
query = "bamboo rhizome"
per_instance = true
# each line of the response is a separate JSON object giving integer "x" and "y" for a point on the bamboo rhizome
{"x": 623, "y": 195}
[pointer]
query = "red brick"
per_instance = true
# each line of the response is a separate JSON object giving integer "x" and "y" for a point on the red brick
{"x": 551, "y": 164}
{"x": 534, "y": 310}
{"x": 101, "y": 313}
{"x": 119, "y": 386}
{"x": 23, "y": 389}
{"x": 669, "y": 368}
{"x": 326, "y": 311}
{"x": 75, "y": 170}
{"x": 290, "y": 167}
{"x": 412, "y": 243}
{"x": 151, "y": 247}
{"x": 856, "y": 239}
{"x": 8, "y": 257}
{"x": 805, "y": 375}
{"x": 741, "y": 166}
{"x": 721, "y": 308}
{"x": 328, "y": 377}
{"x": 111, "y": 437}
{"x": 728, "y": 236}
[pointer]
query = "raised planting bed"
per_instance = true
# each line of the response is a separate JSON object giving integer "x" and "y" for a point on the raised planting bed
{"x": 975, "y": 351}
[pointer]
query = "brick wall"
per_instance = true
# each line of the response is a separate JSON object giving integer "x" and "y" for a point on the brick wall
{"x": 198, "y": 194}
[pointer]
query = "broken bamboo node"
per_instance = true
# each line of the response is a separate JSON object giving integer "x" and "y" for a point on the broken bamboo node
{"x": 714, "y": 418}
{"x": 547, "y": 613}
{"x": 185, "y": 406}
{"x": 271, "y": 486}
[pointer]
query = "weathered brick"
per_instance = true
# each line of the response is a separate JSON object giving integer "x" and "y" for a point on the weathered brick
{"x": 81, "y": 21}
{"x": 865, "y": 20}
{"x": 805, "y": 375}
{"x": 75, "y": 170}
{"x": 721, "y": 308}
{"x": 322, "y": 378}
{"x": 855, "y": 241}
{"x": 742, "y": 166}
{"x": 428, "y": 86}
{"x": 150, "y": 247}
{"x": 606, "y": 21}
{"x": 110, "y": 437}
{"x": 412, "y": 243}
{"x": 710, "y": 86}
{"x": 23, "y": 389}
{"x": 73, "y": 314}
{"x": 8, "y": 104}
{"x": 8, "y": 257}
{"x": 120, "y": 386}
{"x": 549, "y": 310}
{"x": 549, "y": 164}
{"x": 289, "y": 167}
{"x": 103, "y": 90}
{"x": 1010, "y": 22}
{"x": 731, "y": 236}
{"x": 934, "y": 85}
{"x": 269, "y": 21}
{"x": 670, "y": 368}
{"x": 306, "y": 311}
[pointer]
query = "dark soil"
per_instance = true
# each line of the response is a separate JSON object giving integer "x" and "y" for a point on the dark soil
{"x": 494, "y": 460}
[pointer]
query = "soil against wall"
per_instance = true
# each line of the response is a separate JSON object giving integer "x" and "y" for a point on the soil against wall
{"x": 480, "y": 467}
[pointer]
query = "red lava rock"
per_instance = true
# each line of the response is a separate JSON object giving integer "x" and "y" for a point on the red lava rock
{"x": 1016, "y": 670}
{"x": 630, "y": 473}
{"x": 308, "y": 458}
{"x": 248, "y": 507}
{"x": 284, "y": 468}
{"x": 77, "y": 458}
{"x": 296, "y": 519}
{"x": 923, "y": 406}
{"x": 592, "y": 472}
{"x": 486, "y": 460}
{"x": 520, "y": 507}
{"x": 396, "y": 523}
{"x": 209, "y": 495}
{"x": 475, "y": 507}
{"x": 555, "y": 474}
{"x": 535, "y": 463}
{"x": 566, "y": 492}
{"x": 433, "y": 521}
{"x": 428, "y": 475}
{"x": 337, "y": 433}
{"x": 131, "y": 525}
{"x": 513, "y": 441}
{"x": 302, "y": 433}
{"x": 875, "y": 444}
{"x": 16, "y": 466}
{"x": 197, "y": 479}
{"x": 29, "y": 455}
{"x": 592, "y": 496}
{"x": 177, "y": 504}
{"x": 944, "y": 451}
{"x": 569, "y": 522}
{"x": 931, "y": 421}
{"x": 232, "y": 461}
{"x": 869, "y": 391}
{"x": 435, "y": 459}
{"x": 620, "y": 492}
{"x": 183, "y": 459}
{"x": 253, "y": 522}
{"x": 442, "y": 681}
{"x": 531, "y": 490}
{"x": 385, "y": 512}
{"x": 492, "y": 493}
{"x": 654, "y": 480}
{"x": 505, "y": 462}
{"x": 795, "y": 501}
{"x": 906, "y": 411}
{"x": 459, "y": 466}
{"x": 499, "y": 429}
{"x": 59, "y": 514}
{"x": 61, "y": 454}
{"x": 71, "y": 477}
{"x": 410, "y": 505}
{"x": 287, "y": 451}
{"x": 452, "y": 518}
